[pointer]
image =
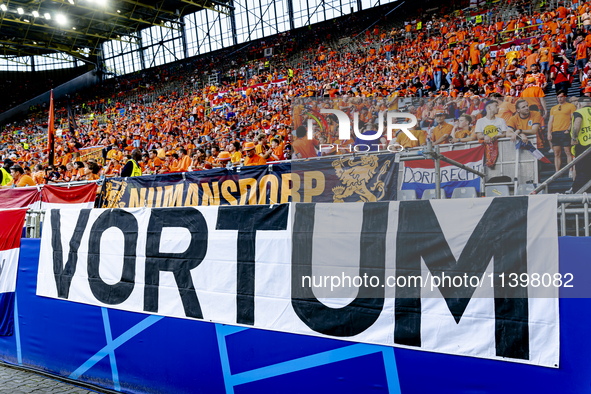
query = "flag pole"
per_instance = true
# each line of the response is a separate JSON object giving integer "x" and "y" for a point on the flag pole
{"x": 50, "y": 134}
{"x": 71, "y": 120}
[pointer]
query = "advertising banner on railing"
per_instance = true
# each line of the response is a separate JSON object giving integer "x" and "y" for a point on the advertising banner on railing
{"x": 49, "y": 196}
{"x": 366, "y": 178}
{"x": 10, "y": 240}
{"x": 68, "y": 197}
{"x": 426, "y": 275}
{"x": 22, "y": 197}
{"x": 419, "y": 175}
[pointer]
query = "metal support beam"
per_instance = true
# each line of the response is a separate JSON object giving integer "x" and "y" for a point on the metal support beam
{"x": 229, "y": 5}
{"x": 121, "y": 15}
{"x": 429, "y": 153}
{"x": 151, "y": 7}
{"x": 84, "y": 60}
{"x": 52, "y": 47}
{"x": 140, "y": 51}
{"x": 462, "y": 166}
{"x": 204, "y": 5}
{"x": 94, "y": 10}
{"x": 6, "y": 52}
{"x": 233, "y": 24}
{"x": 437, "y": 174}
{"x": 184, "y": 40}
{"x": 11, "y": 19}
{"x": 290, "y": 13}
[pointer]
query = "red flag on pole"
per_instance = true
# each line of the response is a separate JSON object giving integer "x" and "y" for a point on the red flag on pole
{"x": 50, "y": 132}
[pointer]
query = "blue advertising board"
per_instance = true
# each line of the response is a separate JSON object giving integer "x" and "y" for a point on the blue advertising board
{"x": 139, "y": 353}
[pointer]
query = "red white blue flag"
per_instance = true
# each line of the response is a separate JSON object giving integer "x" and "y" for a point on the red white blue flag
{"x": 10, "y": 242}
{"x": 419, "y": 175}
{"x": 21, "y": 197}
{"x": 75, "y": 197}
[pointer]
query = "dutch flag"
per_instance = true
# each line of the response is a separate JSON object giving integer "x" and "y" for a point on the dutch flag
{"x": 75, "y": 197}
{"x": 10, "y": 241}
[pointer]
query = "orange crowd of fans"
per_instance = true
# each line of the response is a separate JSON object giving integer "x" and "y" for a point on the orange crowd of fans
{"x": 454, "y": 65}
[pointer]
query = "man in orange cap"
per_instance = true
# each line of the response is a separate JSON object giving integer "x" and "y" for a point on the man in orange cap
{"x": 252, "y": 159}
{"x": 223, "y": 159}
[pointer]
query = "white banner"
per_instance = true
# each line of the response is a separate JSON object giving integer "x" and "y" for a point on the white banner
{"x": 276, "y": 267}
{"x": 8, "y": 269}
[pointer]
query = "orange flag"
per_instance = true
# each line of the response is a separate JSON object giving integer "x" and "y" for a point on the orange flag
{"x": 50, "y": 133}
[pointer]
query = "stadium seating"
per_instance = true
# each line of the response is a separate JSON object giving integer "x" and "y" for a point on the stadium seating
{"x": 464, "y": 192}
{"x": 524, "y": 190}
{"x": 431, "y": 195}
{"x": 496, "y": 191}
{"x": 407, "y": 195}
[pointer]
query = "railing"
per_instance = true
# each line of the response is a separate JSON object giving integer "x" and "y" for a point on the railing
{"x": 526, "y": 170}
{"x": 34, "y": 218}
{"x": 566, "y": 200}
{"x": 544, "y": 186}
{"x": 64, "y": 184}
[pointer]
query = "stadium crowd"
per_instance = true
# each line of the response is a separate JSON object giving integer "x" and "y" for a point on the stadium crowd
{"x": 472, "y": 79}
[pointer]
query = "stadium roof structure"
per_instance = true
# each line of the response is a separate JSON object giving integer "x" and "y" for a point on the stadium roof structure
{"x": 79, "y": 27}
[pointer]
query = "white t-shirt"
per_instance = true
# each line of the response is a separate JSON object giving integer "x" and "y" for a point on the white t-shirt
{"x": 491, "y": 127}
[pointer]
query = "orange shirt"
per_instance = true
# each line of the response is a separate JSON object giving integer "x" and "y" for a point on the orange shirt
{"x": 463, "y": 133}
{"x": 183, "y": 164}
{"x": 304, "y": 147}
{"x": 562, "y": 116}
{"x": 517, "y": 123}
{"x": 475, "y": 56}
{"x": 532, "y": 96}
{"x": 66, "y": 158}
{"x": 506, "y": 110}
{"x": 582, "y": 51}
{"x": 531, "y": 59}
{"x": 442, "y": 129}
{"x": 406, "y": 142}
{"x": 544, "y": 53}
{"x": 278, "y": 152}
{"x": 152, "y": 164}
{"x": 24, "y": 180}
{"x": 114, "y": 170}
{"x": 255, "y": 160}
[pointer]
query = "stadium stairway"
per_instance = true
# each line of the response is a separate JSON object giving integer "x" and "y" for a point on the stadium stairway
{"x": 564, "y": 183}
